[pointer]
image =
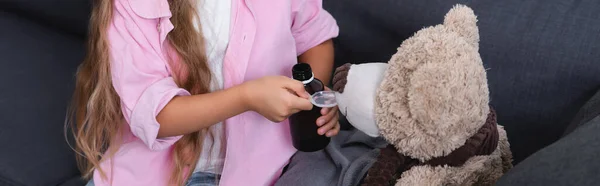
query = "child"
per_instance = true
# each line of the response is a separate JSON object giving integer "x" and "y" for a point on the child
{"x": 180, "y": 92}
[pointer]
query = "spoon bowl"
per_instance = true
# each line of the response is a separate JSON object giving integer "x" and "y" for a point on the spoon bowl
{"x": 324, "y": 99}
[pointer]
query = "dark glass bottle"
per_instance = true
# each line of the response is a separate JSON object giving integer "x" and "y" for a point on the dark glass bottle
{"x": 303, "y": 125}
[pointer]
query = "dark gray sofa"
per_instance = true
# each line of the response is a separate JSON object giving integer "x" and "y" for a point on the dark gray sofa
{"x": 41, "y": 44}
{"x": 543, "y": 59}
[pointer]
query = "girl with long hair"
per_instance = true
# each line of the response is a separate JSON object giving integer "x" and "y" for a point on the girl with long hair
{"x": 196, "y": 92}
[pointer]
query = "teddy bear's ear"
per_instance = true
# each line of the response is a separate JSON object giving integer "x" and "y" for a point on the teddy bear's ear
{"x": 462, "y": 20}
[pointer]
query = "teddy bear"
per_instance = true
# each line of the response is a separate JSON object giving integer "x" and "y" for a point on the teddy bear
{"x": 430, "y": 102}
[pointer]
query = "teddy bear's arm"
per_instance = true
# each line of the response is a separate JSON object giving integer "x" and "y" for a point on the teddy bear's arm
{"x": 340, "y": 77}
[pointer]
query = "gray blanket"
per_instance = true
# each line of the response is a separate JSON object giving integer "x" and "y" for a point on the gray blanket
{"x": 343, "y": 163}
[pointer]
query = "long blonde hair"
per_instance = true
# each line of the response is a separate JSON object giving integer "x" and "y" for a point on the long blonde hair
{"x": 95, "y": 115}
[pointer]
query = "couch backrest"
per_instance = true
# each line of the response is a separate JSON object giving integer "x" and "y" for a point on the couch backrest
{"x": 69, "y": 16}
{"x": 41, "y": 44}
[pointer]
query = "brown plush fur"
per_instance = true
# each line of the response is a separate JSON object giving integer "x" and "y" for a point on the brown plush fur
{"x": 434, "y": 95}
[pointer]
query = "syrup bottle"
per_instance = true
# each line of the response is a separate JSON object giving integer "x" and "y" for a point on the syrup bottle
{"x": 303, "y": 125}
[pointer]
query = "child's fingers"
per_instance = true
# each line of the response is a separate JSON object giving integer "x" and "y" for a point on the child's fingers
{"x": 331, "y": 127}
{"x": 325, "y": 111}
{"x": 327, "y": 127}
{"x": 327, "y": 117}
{"x": 295, "y": 86}
{"x": 334, "y": 131}
{"x": 301, "y": 103}
{"x": 330, "y": 110}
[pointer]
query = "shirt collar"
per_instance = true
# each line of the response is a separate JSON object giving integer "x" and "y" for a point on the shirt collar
{"x": 150, "y": 9}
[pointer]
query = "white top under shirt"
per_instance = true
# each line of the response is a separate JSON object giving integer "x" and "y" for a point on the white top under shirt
{"x": 215, "y": 19}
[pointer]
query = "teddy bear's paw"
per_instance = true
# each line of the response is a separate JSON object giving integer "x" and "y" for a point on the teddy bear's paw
{"x": 485, "y": 169}
{"x": 504, "y": 148}
{"x": 340, "y": 77}
{"x": 425, "y": 176}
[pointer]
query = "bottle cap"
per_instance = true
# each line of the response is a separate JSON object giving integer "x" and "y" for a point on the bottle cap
{"x": 302, "y": 72}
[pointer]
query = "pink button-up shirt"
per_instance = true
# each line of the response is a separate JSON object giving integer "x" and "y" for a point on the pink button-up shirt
{"x": 265, "y": 39}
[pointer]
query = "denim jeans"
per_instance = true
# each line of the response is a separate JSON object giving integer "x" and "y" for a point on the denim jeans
{"x": 203, "y": 179}
{"x": 197, "y": 179}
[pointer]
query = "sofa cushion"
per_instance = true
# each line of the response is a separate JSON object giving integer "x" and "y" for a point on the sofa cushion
{"x": 38, "y": 65}
{"x": 572, "y": 160}
{"x": 589, "y": 111}
{"x": 541, "y": 56}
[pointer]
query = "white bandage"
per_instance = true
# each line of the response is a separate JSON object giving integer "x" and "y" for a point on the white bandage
{"x": 358, "y": 99}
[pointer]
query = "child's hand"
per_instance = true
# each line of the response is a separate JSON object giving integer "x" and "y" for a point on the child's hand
{"x": 329, "y": 123}
{"x": 276, "y": 97}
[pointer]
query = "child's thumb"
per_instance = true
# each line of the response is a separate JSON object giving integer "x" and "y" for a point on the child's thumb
{"x": 296, "y": 87}
{"x": 302, "y": 103}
